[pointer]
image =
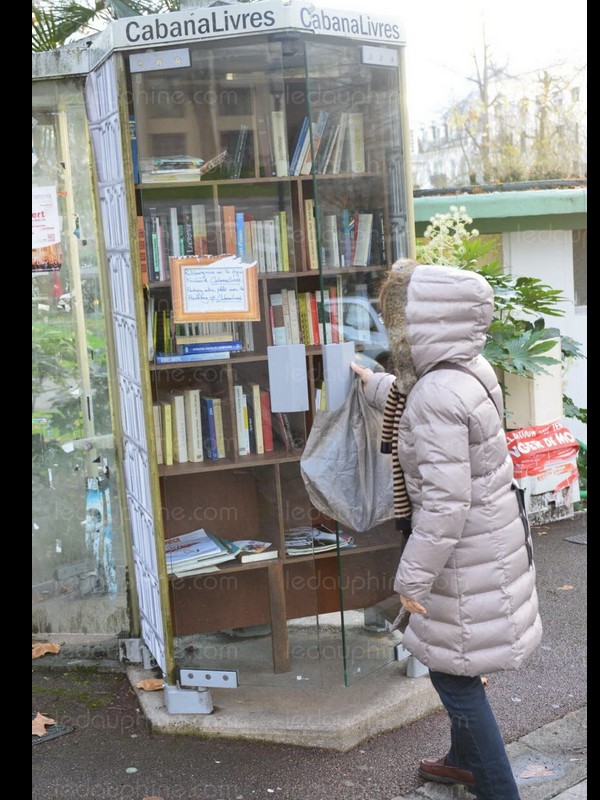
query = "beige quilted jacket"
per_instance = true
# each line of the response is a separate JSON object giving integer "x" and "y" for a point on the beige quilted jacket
{"x": 466, "y": 561}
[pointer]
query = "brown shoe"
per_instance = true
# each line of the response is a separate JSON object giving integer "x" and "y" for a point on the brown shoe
{"x": 437, "y": 771}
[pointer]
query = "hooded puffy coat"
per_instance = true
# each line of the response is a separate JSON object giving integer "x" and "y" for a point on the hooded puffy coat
{"x": 466, "y": 560}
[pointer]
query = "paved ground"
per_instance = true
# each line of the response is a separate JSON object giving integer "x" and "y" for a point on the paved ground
{"x": 110, "y": 735}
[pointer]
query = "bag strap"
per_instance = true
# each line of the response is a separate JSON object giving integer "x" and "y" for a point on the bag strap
{"x": 460, "y": 368}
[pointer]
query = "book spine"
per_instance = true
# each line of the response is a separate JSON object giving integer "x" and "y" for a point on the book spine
{"x": 229, "y": 229}
{"x": 311, "y": 233}
{"x": 156, "y": 416}
{"x": 193, "y": 425}
{"x": 180, "y": 455}
{"x": 314, "y": 317}
{"x": 208, "y": 426}
{"x": 219, "y": 431}
{"x": 356, "y": 143}
{"x": 280, "y": 149}
{"x": 319, "y": 132}
{"x": 239, "y": 420}
{"x": 143, "y": 251}
{"x": 174, "y": 229}
{"x": 305, "y": 319}
{"x": 294, "y": 318}
{"x": 181, "y": 358}
{"x": 284, "y": 241}
{"x": 199, "y": 230}
{"x": 267, "y": 427}
{"x": 257, "y": 418}
{"x": 212, "y": 347}
{"x": 240, "y": 235}
{"x": 240, "y": 147}
{"x": 167, "y": 433}
{"x": 134, "y": 149}
{"x": 287, "y": 322}
{"x": 217, "y": 338}
{"x": 340, "y": 144}
{"x": 340, "y": 306}
{"x": 333, "y": 315}
{"x": 188, "y": 232}
{"x": 277, "y": 319}
{"x": 249, "y": 422}
{"x": 278, "y": 244}
{"x": 298, "y": 148}
{"x": 363, "y": 240}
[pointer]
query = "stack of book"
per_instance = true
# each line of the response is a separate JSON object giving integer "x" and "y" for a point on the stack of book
{"x": 338, "y": 145}
{"x": 264, "y": 241}
{"x": 163, "y": 169}
{"x": 188, "y": 426}
{"x": 197, "y": 552}
{"x": 309, "y": 540}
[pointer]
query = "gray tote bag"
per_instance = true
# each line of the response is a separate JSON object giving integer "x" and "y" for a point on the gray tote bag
{"x": 345, "y": 474}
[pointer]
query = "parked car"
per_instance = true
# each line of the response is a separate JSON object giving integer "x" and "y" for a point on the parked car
{"x": 362, "y": 325}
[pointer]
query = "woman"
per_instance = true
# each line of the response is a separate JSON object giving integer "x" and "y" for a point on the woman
{"x": 466, "y": 574}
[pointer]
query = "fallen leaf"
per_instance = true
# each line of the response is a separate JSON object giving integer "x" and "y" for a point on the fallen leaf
{"x": 485, "y": 680}
{"x": 576, "y": 759}
{"x": 542, "y": 533}
{"x": 566, "y": 588}
{"x": 150, "y": 684}
{"x": 38, "y": 725}
{"x": 41, "y": 648}
{"x": 536, "y": 771}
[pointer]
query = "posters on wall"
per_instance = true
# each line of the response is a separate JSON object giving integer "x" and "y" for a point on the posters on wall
{"x": 46, "y": 252}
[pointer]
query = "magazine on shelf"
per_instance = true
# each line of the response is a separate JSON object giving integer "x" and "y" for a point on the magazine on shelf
{"x": 309, "y": 540}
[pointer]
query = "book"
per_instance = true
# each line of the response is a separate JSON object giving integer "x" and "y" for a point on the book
{"x": 254, "y": 550}
{"x": 166, "y": 432}
{"x": 267, "y": 426}
{"x": 181, "y": 358}
{"x": 356, "y": 143}
{"x": 208, "y": 428}
{"x": 317, "y": 138}
{"x": 307, "y": 540}
{"x": 134, "y": 149}
{"x": 180, "y": 454}
{"x": 311, "y": 234}
{"x": 280, "y": 149}
{"x": 277, "y": 318}
{"x": 211, "y": 347}
{"x": 338, "y": 162}
{"x": 193, "y": 425}
{"x": 156, "y": 418}
{"x": 253, "y": 403}
{"x": 240, "y": 148}
{"x": 299, "y": 145}
{"x": 208, "y": 338}
{"x": 241, "y": 421}
{"x": 229, "y": 230}
{"x": 219, "y": 430}
{"x": 199, "y": 230}
{"x": 188, "y": 231}
{"x": 363, "y": 240}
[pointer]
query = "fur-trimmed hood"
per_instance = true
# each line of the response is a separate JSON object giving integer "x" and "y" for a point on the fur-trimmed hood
{"x": 431, "y": 314}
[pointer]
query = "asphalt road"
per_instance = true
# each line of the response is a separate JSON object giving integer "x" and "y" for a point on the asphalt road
{"x": 110, "y": 736}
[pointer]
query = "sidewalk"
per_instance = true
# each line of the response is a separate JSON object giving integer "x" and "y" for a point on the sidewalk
{"x": 550, "y": 762}
{"x": 115, "y": 752}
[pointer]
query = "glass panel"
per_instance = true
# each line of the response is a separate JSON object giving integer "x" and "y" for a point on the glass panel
{"x": 240, "y": 481}
{"x": 79, "y": 559}
{"x": 360, "y": 214}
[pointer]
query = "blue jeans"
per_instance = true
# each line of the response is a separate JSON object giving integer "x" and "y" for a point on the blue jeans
{"x": 476, "y": 743}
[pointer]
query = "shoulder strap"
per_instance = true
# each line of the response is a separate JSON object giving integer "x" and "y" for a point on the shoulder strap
{"x": 460, "y": 368}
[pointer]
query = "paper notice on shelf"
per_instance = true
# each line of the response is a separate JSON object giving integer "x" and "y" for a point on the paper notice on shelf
{"x": 337, "y": 374}
{"x": 288, "y": 379}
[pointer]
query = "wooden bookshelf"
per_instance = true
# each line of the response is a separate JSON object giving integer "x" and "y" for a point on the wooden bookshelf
{"x": 344, "y": 251}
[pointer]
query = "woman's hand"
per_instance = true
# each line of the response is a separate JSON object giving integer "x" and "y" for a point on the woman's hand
{"x": 364, "y": 373}
{"x": 412, "y": 605}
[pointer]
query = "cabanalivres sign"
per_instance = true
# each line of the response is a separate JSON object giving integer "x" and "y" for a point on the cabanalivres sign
{"x": 207, "y": 23}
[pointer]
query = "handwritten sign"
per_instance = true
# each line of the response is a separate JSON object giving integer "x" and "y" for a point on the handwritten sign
{"x": 214, "y": 288}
